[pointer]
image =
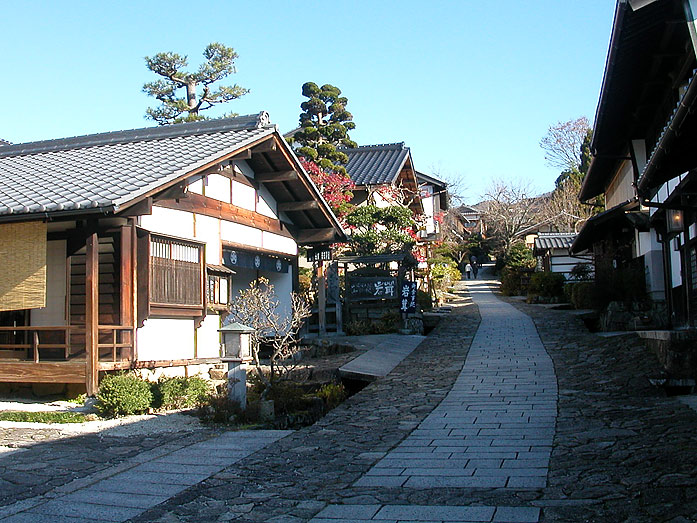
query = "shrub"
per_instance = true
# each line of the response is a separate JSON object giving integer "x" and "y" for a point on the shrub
{"x": 357, "y": 327}
{"x": 123, "y": 394}
{"x": 511, "y": 284}
{"x": 424, "y": 301}
{"x": 581, "y": 272}
{"x": 179, "y": 393}
{"x": 219, "y": 408}
{"x": 584, "y": 295}
{"x": 519, "y": 256}
{"x": 332, "y": 394}
{"x": 547, "y": 284}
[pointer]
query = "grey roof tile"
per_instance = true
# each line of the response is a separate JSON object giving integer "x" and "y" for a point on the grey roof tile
{"x": 376, "y": 164}
{"x": 110, "y": 169}
{"x": 554, "y": 241}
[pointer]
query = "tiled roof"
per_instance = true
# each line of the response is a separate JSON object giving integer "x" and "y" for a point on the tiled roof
{"x": 104, "y": 171}
{"x": 554, "y": 241}
{"x": 376, "y": 164}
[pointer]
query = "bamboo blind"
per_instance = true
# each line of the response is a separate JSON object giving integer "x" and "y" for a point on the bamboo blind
{"x": 22, "y": 265}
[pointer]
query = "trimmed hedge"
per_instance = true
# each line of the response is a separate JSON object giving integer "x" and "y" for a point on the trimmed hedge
{"x": 123, "y": 394}
{"x": 179, "y": 393}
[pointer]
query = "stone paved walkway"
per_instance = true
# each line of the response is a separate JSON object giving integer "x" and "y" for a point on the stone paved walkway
{"x": 495, "y": 427}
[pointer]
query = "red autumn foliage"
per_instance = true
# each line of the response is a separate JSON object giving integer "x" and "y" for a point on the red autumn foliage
{"x": 335, "y": 187}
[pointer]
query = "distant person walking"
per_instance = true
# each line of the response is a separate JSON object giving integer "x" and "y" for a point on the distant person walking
{"x": 468, "y": 271}
{"x": 475, "y": 269}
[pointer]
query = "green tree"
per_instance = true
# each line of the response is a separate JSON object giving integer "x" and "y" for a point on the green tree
{"x": 324, "y": 125}
{"x": 199, "y": 92}
{"x": 377, "y": 230}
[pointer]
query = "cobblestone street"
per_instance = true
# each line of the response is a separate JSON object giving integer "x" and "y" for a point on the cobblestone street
{"x": 523, "y": 417}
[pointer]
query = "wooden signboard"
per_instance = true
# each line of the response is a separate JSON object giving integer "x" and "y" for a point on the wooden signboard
{"x": 372, "y": 288}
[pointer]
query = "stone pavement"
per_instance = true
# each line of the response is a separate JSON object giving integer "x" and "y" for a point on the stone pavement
{"x": 140, "y": 483}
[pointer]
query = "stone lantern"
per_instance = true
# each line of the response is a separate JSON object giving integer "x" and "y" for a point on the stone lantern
{"x": 237, "y": 353}
{"x": 237, "y": 343}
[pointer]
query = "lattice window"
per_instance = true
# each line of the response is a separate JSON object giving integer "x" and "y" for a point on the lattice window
{"x": 176, "y": 272}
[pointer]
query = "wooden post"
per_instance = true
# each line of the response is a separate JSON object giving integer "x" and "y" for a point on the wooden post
{"x": 339, "y": 305}
{"x": 321, "y": 299}
{"x": 127, "y": 290}
{"x": 92, "y": 314}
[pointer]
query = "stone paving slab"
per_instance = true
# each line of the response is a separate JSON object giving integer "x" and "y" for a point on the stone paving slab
{"x": 427, "y": 513}
{"x": 379, "y": 362}
{"x": 130, "y": 490}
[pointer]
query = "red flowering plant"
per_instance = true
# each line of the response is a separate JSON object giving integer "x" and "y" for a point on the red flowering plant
{"x": 335, "y": 187}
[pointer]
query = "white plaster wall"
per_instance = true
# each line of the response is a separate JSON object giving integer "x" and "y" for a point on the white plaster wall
{"x": 169, "y": 221}
{"x": 218, "y": 187}
{"x": 242, "y": 234}
{"x": 653, "y": 266}
{"x": 428, "y": 211}
{"x": 244, "y": 196}
{"x": 208, "y": 230}
{"x": 54, "y": 312}
{"x": 278, "y": 243}
{"x": 166, "y": 339}
{"x": 266, "y": 205}
{"x": 208, "y": 337}
{"x": 196, "y": 187}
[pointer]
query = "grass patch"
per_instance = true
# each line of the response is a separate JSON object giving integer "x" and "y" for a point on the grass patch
{"x": 45, "y": 417}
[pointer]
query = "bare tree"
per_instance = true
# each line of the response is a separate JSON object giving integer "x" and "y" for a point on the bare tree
{"x": 509, "y": 209}
{"x": 563, "y": 142}
{"x": 563, "y": 209}
{"x": 258, "y": 307}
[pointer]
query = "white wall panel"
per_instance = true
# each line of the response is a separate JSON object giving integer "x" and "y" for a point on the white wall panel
{"x": 166, "y": 339}
{"x": 234, "y": 232}
{"x": 218, "y": 187}
{"x": 278, "y": 243}
{"x": 208, "y": 337}
{"x": 169, "y": 221}
{"x": 244, "y": 196}
{"x": 208, "y": 230}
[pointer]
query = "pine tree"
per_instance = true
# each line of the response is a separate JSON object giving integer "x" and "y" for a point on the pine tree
{"x": 200, "y": 94}
{"x": 324, "y": 126}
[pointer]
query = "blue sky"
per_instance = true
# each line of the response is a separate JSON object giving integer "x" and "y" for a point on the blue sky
{"x": 470, "y": 86}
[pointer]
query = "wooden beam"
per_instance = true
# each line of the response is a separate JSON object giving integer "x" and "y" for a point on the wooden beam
{"x": 316, "y": 236}
{"x": 142, "y": 207}
{"x": 225, "y": 211}
{"x": 43, "y": 372}
{"x": 298, "y": 206}
{"x": 243, "y": 155}
{"x": 92, "y": 314}
{"x": 268, "y": 146}
{"x": 276, "y": 176}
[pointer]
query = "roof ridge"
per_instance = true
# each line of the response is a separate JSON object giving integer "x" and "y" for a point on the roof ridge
{"x": 247, "y": 122}
{"x": 375, "y": 147}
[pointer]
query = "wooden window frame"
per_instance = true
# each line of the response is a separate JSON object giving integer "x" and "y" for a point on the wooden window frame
{"x": 157, "y": 306}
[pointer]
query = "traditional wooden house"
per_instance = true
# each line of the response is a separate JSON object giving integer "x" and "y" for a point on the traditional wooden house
{"x": 122, "y": 250}
{"x": 551, "y": 250}
{"x": 434, "y": 199}
{"x": 644, "y": 154}
{"x": 384, "y": 174}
